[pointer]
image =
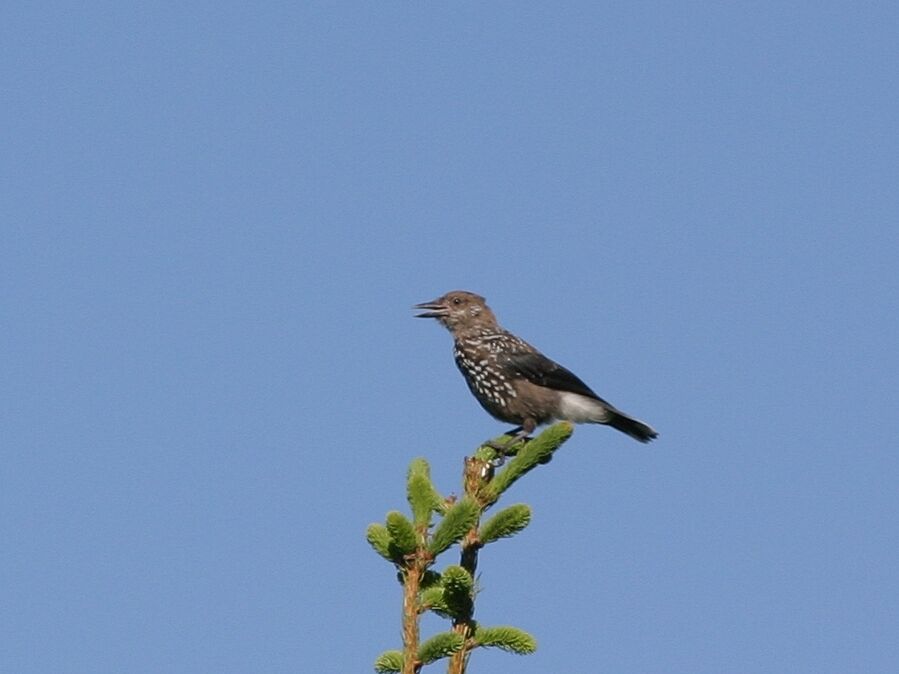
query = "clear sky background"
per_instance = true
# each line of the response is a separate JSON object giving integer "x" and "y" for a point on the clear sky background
{"x": 215, "y": 218}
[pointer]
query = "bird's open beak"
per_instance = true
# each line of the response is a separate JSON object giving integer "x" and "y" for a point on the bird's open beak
{"x": 435, "y": 309}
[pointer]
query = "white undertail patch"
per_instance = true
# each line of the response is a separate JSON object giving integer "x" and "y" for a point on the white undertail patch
{"x": 581, "y": 409}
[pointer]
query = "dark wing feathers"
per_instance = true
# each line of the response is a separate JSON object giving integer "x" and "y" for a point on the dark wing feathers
{"x": 540, "y": 370}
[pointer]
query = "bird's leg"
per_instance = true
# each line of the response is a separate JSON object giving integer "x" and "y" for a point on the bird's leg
{"x": 519, "y": 434}
{"x": 502, "y": 446}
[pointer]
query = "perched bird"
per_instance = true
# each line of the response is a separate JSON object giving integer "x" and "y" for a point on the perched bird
{"x": 513, "y": 381}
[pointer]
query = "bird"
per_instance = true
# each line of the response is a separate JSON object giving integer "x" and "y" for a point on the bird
{"x": 512, "y": 380}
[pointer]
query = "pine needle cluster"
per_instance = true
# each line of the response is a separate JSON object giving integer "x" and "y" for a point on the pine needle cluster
{"x": 412, "y": 545}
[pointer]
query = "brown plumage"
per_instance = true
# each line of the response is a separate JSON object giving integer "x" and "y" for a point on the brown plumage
{"x": 513, "y": 381}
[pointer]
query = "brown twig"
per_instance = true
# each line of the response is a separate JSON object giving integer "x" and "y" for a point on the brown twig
{"x": 477, "y": 473}
{"x": 411, "y": 586}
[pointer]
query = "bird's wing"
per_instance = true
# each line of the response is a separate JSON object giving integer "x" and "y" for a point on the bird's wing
{"x": 540, "y": 370}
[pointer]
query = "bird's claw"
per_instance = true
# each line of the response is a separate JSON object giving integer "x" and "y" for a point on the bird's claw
{"x": 504, "y": 449}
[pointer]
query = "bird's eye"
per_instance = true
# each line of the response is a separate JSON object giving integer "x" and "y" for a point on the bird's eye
{"x": 457, "y": 300}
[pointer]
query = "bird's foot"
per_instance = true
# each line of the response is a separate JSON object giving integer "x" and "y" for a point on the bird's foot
{"x": 508, "y": 447}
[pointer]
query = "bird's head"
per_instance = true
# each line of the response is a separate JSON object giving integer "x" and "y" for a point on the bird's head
{"x": 459, "y": 311}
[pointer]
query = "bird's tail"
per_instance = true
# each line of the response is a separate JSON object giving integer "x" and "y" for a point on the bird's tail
{"x": 636, "y": 429}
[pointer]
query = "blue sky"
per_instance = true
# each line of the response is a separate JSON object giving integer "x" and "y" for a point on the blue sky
{"x": 216, "y": 217}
